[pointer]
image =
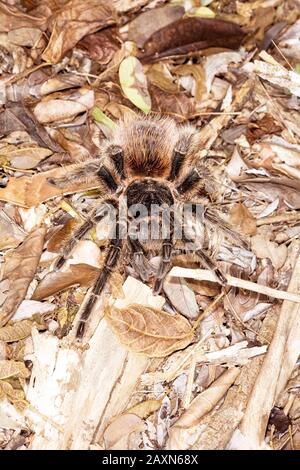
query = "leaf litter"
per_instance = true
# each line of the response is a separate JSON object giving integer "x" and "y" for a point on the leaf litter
{"x": 189, "y": 369}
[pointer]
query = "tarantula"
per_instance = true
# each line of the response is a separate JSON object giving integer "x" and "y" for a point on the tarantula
{"x": 148, "y": 161}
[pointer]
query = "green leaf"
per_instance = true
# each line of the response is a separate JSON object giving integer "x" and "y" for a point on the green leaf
{"x": 134, "y": 83}
{"x": 202, "y": 12}
{"x": 100, "y": 116}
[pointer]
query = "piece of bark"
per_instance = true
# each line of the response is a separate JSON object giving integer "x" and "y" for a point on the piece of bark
{"x": 76, "y": 393}
{"x": 276, "y": 369}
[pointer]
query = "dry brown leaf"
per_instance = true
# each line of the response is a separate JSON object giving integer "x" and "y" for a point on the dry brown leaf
{"x": 277, "y": 75}
{"x": 175, "y": 104}
{"x": 11, "y": 235}
{"x": 25, "y": 157}
{"x": 19, "y": 269}
{"x": 117, "y": 434}
{"x": 219, "y": 63}
{"x": 242, "y": 219}
{"x": 191, "y": 34}
{"x": 28, "y": 37}
{"x": 19, "y": 330}
{"x": 12, "y": 18}
{"x": 59, "y": 238}
{"x": 72, "y": 22}
{"x": 206, "y": 288}
{"x": 11, "y": 368}
{"x": 266, "y": 125}
{"x": 145, "y": 24}
{"x": 30, "y": 191}
{"x": 149, "y": 331}
{"x": 56, "y": 281}
{"x": 197, "y": 71}
{"x": 58, "y": 110}
{"x": 160, "y": 76}
{"x": 102, "y": 45}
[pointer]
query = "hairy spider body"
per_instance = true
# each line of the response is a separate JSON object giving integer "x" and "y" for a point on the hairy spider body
{"x": 148, "y": 162}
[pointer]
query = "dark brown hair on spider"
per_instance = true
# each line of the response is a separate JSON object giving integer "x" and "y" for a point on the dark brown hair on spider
{"x": 148, "y": 161}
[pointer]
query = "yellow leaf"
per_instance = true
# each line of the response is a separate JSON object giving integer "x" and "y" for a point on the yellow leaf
{"x": 13, "y": 369}
{"x": 100, "y": 116}
{"x": 148, "y": 330}
{"x": 16, "y": 396}
{"x": 15, "y": 332}
{"x": 203, "y": 12}
{"x": 134, "y": 83}
{"x": 145, "y": 408}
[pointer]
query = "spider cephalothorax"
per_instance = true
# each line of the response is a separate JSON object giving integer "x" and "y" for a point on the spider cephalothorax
{"x": 150, "y": 163}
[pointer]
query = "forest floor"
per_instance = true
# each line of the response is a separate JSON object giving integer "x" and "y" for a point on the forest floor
{"x": 200, "y": 366}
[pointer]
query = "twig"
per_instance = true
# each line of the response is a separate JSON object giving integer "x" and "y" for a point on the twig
{"x": 275, "y": 219}
{"x": 189, "y": 385}
{"x": 207, "y": 311}
{"x": 205, "y": 275}
{"x": 282, "y": 55}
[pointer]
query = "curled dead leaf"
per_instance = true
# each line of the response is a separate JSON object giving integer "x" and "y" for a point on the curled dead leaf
{"x": 181, "y": 296}
{"x": 25, "y": 157}
{"x": 57, "y": 110}
{"x": 11, "y": 235}
{"x": 201, "y": 405}
{"x": 12, "y": 18}
{"x": 20, "y": 269}
{"x": 56, "y": 281}
{"x": 149, "y": 331}
{"x": 72, "y": 22}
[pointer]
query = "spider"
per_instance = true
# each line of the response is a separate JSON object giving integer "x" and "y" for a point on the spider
{"x": 148, "y": 161}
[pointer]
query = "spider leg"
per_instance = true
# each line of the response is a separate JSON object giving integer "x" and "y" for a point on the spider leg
{"x": 111, "y": 260}
{"x": 205, "y": 260}
{"x": 211, "y": 265}
{"x": 139, "y": 261}
{"x": 180, "y": 154}
{"x": 214, "y": 219}
{"x": 189, "y": 182}
{"x": 166, "y": 255}
{"x": 91, "y": 169}
{"x": 96, "y": 216}
{"x": 164, "y": 267}
{"x": 78, "y": 234}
